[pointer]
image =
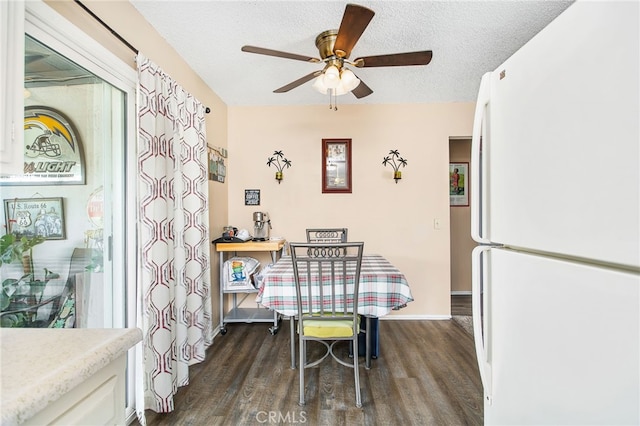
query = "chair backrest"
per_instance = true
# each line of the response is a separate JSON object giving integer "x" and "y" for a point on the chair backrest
{"x": 327, "y": 235}
{"x": 327, "y": 278}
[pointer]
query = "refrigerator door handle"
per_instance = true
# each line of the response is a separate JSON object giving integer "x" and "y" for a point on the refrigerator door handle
{"x": 477, "y": 201}
{"x": 480, "y": 313}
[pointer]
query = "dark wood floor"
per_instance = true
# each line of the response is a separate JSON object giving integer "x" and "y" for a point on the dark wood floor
{"x": 426, "y": 375}
{"x": 461, "y": 305}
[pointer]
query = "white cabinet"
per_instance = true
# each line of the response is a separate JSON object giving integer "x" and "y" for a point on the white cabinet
{"x": 69, "y": 376}
{"x": 99, "y": 400}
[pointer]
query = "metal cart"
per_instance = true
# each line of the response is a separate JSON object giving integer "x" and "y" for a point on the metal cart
{"x": 237, "y": 313}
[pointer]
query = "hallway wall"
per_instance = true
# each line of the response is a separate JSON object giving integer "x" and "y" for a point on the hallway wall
{"x": 460, "y": 219}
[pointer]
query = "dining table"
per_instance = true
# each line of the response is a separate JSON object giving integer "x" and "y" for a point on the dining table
{"x": 383, "y": 288}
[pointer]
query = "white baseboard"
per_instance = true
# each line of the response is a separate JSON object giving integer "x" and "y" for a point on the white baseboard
{"x": 461, "y": 293}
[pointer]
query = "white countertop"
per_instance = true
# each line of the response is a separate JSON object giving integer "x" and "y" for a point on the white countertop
{"x": 39, "y": 365}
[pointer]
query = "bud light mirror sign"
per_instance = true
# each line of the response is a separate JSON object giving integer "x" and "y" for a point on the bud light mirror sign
{"x": 52, "y": 151}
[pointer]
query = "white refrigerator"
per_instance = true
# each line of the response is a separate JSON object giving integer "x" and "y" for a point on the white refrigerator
{"x": 555, "y": 202}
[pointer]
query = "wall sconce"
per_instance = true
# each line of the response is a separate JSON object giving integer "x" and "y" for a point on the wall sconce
{"x": 395, "y": 161}
{"x": 275, "y": 160}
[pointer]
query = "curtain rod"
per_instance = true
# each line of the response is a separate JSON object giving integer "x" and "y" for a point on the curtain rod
{"x": 114, "y": 33}
{"x": 104, "y": 24}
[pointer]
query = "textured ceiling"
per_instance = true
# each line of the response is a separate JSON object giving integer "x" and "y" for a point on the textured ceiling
{"x": 468, "y": 38}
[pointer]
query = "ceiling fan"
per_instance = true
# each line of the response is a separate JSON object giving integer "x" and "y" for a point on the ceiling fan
{"x": 335, "y": 47}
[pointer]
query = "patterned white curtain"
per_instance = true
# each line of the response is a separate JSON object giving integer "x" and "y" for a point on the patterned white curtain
{"x": 174, "y": 288}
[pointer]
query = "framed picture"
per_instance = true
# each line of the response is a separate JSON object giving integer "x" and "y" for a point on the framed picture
{"x": 217, "y": 169}
{"x": 251, "y": 197}
{"x": 30, "y": 217}
{"x": 459, "y": 184}
{"x": 336, "y": 166}
{"x": 53, "y": 153}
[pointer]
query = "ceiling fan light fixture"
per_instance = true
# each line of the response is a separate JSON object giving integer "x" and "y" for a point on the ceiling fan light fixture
{"x": 340, "y": 90}
{"x": 348, "y": 80}
{"x": 332, "y": 77}
{"x": 318, "y": 84}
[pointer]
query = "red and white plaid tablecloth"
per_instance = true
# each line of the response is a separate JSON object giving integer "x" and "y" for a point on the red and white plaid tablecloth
{"x": 383, "y": 287}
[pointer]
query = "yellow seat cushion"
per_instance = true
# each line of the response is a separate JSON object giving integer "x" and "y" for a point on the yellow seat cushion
{"x": 329, "y": 328}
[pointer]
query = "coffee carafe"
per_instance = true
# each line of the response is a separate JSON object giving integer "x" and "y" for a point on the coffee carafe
{"x": 261, "y": 226}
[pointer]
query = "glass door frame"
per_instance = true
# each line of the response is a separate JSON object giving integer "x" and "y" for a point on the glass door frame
{"x": 50, "y": 28}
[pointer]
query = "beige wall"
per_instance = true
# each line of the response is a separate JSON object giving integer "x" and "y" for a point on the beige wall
{"x": 460, "y": 219}
{"x": 395, "y": 220}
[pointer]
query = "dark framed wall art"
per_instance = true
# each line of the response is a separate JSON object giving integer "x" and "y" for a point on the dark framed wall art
{"x": 459, "y": 184}
{"x": 30, "y": 217}
{"x": 336, "y": 166}
{"x": 251, "y": 197}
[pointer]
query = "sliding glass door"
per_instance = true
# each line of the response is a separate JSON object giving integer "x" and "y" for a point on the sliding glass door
{"x": 68, "y": 215}
{"x": 68, "y": 199}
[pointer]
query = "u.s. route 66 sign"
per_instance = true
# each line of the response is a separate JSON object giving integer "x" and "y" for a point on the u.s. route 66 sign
{"x": 52, "y": 151}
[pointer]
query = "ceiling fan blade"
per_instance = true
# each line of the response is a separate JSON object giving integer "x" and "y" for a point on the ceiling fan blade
{"x": 361, "y": 90}
{"x": 298, "y": 82}
{"x": 279, "y": 54}
{"x": 395, "y": 60}
{"x": 354, "y": 22}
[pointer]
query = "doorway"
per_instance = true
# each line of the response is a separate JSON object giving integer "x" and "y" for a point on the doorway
{"x": 461, "y": 244}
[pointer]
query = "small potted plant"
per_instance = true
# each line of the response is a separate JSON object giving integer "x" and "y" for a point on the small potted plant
{"x": 279, "y": 165}
{"x": 396, "y": 162}
{"x": 20, "y": 298}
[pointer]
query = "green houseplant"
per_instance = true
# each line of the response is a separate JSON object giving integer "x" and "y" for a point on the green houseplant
{"x": 20, "y": 298}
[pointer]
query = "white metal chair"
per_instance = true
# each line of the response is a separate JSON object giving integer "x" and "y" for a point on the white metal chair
{"x": 327, "y": 279}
